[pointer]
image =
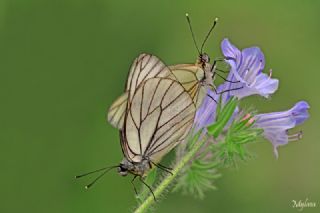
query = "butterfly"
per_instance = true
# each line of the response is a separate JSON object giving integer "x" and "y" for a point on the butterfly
{"x": 157, "y": 109}
{"x": 196, "y": 78}
{"x": 153, "y": 115}
{"x": 158, "y": 118}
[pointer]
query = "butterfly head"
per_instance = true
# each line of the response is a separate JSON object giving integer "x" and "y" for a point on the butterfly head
{"x": 136, "y": 168}
{"x": 124, "y": 168}
{"x": 123, "y": 171}
{"x": 203, "y": 60}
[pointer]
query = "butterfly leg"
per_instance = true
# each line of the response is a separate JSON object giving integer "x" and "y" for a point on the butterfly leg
{"x": 226, "y": 79}
{"x": 142, "y": 181}
{"x": 227, "y": 90}
{"x": 212, "y": 98}
{"x": 164, "y": 168}
{"x": 220, "y": 70}
{"x": 213, "y": 67}
{"x": 134, "y": 187}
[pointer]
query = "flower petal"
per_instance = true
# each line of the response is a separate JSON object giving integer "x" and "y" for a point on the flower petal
{"x": 300, "y": 112}
{"x": 265, "y": 85}
{"x": 252, "y": 63}
{"x": 206, "y": 113}
{"x": 229, "y": 50}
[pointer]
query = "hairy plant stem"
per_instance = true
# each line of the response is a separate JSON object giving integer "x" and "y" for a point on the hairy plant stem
{"x": 143, "y": 207}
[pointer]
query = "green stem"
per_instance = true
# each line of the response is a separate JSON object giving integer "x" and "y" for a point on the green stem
{"x": 170, "y": 178}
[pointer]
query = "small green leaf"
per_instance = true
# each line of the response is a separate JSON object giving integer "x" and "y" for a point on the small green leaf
{"x": 225, "y": 115}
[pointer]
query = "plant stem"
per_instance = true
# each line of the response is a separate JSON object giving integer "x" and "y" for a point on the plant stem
{"x": 169, "y": 178}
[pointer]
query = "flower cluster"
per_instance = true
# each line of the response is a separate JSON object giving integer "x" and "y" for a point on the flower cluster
{"x": 246, "y": 78}
{"x": 222, "y": 129}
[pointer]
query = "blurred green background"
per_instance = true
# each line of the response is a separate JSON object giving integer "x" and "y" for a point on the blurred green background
{"x": 63, "y": 62}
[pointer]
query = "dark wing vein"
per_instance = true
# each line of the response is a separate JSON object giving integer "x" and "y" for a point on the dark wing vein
{"x": 173, "y": 100}
{"x": 114, "y": 114}
{"x": 160, "y": 136}
{"x": 188, "y": 82}
{"x": 176, "y": 115}
{"x": 154, "y": 150}
{"x": 152, "y": 68}
{"x": 158, "y": 119}
{"x": 134, "y": 122}
{"x": 152, "y": 143}
{"x": 152, "y": 101}
{"x": 120, "y": 118}
{"x": 187, "y": 70}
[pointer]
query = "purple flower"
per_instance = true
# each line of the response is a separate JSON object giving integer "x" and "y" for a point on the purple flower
{"x": 246, "y": 69}
{"x": 277, "y": 124}
{"x": 207, "y": 111}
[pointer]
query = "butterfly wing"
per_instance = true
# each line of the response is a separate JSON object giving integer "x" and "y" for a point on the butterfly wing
{"x": 117, "y": 111}
{"x": 160, "y": 116}
{"x": 190, "y": 76}
{"x": 144, "y": 67}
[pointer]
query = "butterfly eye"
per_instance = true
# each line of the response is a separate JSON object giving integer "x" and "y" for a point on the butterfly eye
{"x": 122, "y": 170}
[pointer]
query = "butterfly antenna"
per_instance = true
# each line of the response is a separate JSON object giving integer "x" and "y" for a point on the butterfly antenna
{"x": 192, "y": 33}
{"x": 95, "y": 171}
{"x": 208, "y": 34}
{"x": 100, "y": 176}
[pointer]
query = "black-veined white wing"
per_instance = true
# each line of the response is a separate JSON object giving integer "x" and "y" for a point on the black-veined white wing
{"x": 160, "y": 116}
{"x": 191, "y": 77}
{"x": 144, "y": 67}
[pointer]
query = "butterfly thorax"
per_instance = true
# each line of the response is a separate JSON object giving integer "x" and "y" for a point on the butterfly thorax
{"x": 207, "y": 76}
{"x": 140, "y": 168}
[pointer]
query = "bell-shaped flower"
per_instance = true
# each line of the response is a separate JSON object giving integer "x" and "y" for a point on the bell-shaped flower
{"x": 277, "y": 124}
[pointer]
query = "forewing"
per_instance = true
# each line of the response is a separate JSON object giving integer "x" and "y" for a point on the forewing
{"x": 144, "y": 67}
{"x": 189, "y": 75}
{"x": 160, "y": 116}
